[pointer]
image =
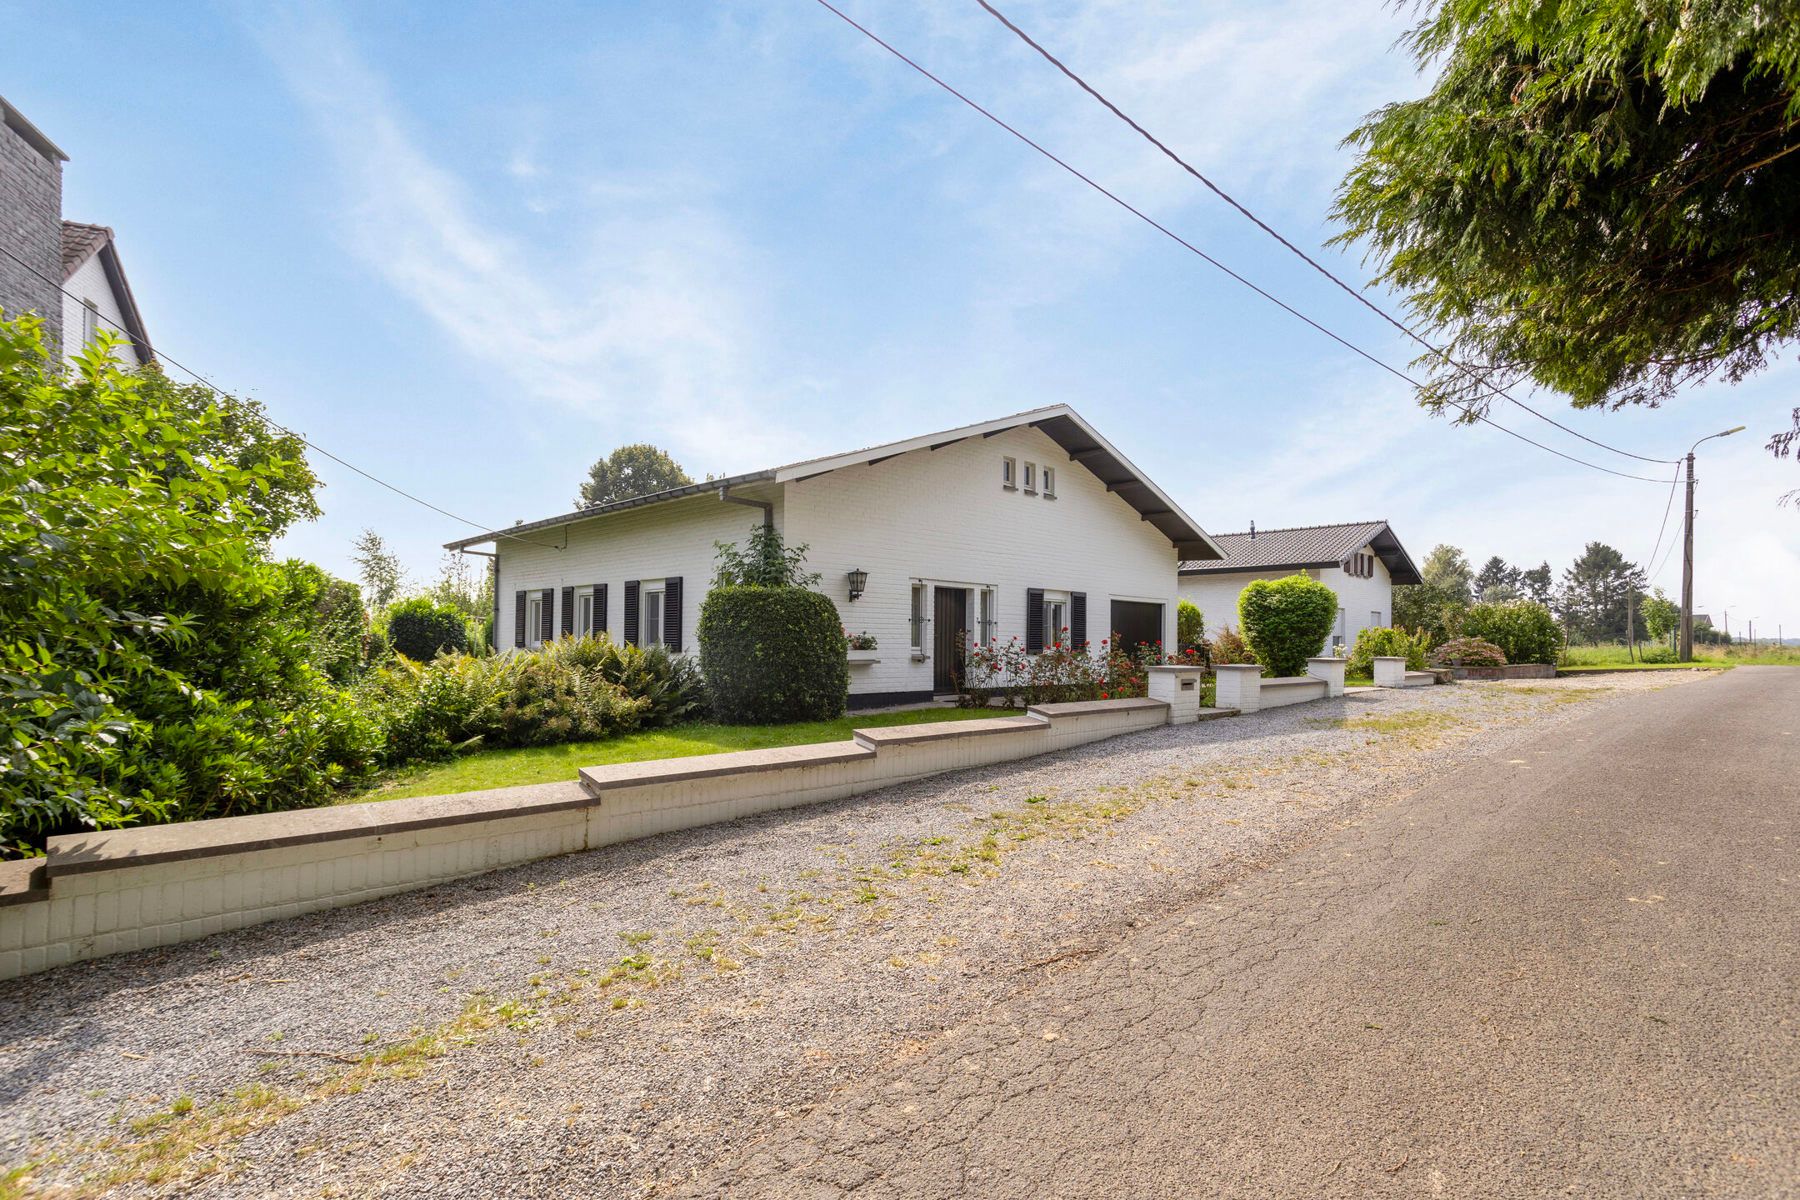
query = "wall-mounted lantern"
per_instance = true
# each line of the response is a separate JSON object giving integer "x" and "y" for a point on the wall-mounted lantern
{"x": 859, "y": 579}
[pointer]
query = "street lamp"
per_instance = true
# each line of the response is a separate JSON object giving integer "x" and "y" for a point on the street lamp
{"x": 1687, "y": 550}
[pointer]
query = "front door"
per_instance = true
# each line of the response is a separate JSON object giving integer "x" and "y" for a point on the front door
{"x": 949, "y": 636}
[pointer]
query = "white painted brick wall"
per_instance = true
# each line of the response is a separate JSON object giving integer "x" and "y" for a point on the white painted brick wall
{"x": 655, "y": 542}
{"x": 942, "y": 516}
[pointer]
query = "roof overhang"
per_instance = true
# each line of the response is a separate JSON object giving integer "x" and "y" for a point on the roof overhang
{"x": 1060, "y": 423}
{"x": 517, "y": 532}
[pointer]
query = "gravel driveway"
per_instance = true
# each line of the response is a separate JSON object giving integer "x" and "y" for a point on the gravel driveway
{"x": 611, "y": 1022}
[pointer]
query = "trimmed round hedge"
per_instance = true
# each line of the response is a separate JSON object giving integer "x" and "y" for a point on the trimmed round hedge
{"x": 420, "y": 629}
{"x": 773, "y": 654}
{"x": 1286, "y": 621}
{"x": 1525, "y": 630}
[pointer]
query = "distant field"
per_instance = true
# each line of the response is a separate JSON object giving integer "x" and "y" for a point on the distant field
{"x": 1616, "y": 655}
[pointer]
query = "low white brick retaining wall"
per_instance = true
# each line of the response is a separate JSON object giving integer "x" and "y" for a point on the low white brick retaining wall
{"x": 1242, "y": 686}
{"x": 102, "y": 893}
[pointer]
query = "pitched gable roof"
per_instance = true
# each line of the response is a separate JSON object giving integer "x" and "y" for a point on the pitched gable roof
{"x": 1306, "y": 546}
{"x": 80, "y": 242}
{"x": 1062, "y": 424}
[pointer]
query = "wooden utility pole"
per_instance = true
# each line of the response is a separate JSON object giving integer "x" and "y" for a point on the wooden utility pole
{"x": 1687, "y": 569}
{"x": 1631, "y": 623}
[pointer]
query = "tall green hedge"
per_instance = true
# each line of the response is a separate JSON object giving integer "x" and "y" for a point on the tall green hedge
{"x": 1524, "y": 630}
{"x": 421, "y": 629}
{"x": 1286, "y": 621}
{"x": 773, "y": 654}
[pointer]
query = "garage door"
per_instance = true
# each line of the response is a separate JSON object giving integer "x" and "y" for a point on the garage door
{"x": 1135, "y": 623}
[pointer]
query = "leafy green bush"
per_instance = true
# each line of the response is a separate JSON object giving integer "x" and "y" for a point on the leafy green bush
{"x": 1228, "y": 647}
{"x": 1468, "y": 652}
{"x": 1383, "y": 642}
{"x": 1524, "y": 630}
{"x": 428, "y": 710}
{"x": 1190, "y": 624}
{"x": 550, "y": 700}
{"x": 151, "y": 665}
{"x": 330, "y": 613}
{"x": 669, "y": 684}
{"x": 1286, "y": 621}
{"x": 773, "y": 654}
{"x": 421, "y": 629}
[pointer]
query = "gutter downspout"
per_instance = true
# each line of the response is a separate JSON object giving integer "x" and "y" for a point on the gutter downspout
{"x": 768, "y": 508}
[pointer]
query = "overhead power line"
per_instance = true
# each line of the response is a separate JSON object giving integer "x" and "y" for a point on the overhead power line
{"x": 1357, "y": 294}
{"x": 1184, "y": 243}
{"x": 280, "y": 428}
{"x": 1668, "y": 506}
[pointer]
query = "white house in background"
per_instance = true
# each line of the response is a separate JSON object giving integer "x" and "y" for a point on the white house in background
{"x": 96, "y": 295}
{"x": 1016, "y": 527}
{"x": 1360, "y": 562}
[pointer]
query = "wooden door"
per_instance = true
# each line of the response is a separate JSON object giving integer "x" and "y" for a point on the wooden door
{"x": 949, "y": 637}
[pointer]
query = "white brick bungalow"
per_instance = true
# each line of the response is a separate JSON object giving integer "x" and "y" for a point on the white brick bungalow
{"x": 1018, "y": 526}
{"x": 1361, "y": 562}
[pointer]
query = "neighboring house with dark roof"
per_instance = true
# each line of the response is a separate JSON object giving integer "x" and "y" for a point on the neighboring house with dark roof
{"x": 1030, "y": 526}
{"x": 1360, "y": 561}
{"x": 67, "y": 272}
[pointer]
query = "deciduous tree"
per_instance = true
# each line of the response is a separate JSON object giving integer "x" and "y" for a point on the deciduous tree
{"x": 629, "y": 472}
{"x": 1598, "y": 198}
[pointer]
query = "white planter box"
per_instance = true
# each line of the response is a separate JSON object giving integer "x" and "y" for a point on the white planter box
{"x": 864, "y": 656}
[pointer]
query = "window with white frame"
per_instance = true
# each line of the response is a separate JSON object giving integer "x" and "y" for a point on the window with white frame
{"x": 1375, "y": 619}
{"x": 1049, "y": 483}
{"x": 650, "y": 612}
{"x": 90, "y": 322}
{"x": 1056, "y": 618}
{"x": 1009, "y": 472}
{"x": 584, "y": 612}
{"x": 988, "y": 630}
{"x": 1030, "y": 477}
{"x": 918, "y": 618}
{"x": 534, "y": 620}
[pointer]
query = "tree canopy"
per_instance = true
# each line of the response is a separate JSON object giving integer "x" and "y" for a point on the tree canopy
{"x": 630, "y": 472}
{"x": 1598, "y": 196}
{"x": 1597, "y": 591}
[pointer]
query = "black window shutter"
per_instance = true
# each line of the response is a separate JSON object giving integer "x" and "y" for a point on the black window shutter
{"x": 1034, "y": 620}
{"x": 568, "y": 625}
{"x": 1078, "y": 619}
{"x": 518, "y": 618}
{"x": 599, "y": 608}
{"x": 547, "y": 619}
{"x": 672, "y": 613}
{"x": 631, "y": 612}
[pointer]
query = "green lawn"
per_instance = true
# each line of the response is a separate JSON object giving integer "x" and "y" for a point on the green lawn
{"x": 1616, "y": 655}
{"x": 552, "y": 764}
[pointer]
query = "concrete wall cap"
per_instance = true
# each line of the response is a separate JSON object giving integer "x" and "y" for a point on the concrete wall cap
{"x": 23, "y": 879}
{"x": 902, "y": 735}
{"x": 113, "y": 849}
{"x": 1082, "y": 708}
{"x": 708, "y": 766}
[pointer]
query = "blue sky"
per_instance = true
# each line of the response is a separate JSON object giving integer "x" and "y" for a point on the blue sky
{"x": 471, "y": 249}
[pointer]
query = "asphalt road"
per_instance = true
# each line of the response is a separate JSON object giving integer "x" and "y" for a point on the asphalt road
{"x": 1576, "y": 973}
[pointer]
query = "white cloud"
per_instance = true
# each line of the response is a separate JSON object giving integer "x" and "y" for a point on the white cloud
{"x": 641, "y": 305}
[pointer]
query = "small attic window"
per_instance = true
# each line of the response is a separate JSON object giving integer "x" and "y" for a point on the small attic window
{"x": 1030, "y": 478}
{"x": 1009, "y": 473}
{"x": 1049, "y": 483}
